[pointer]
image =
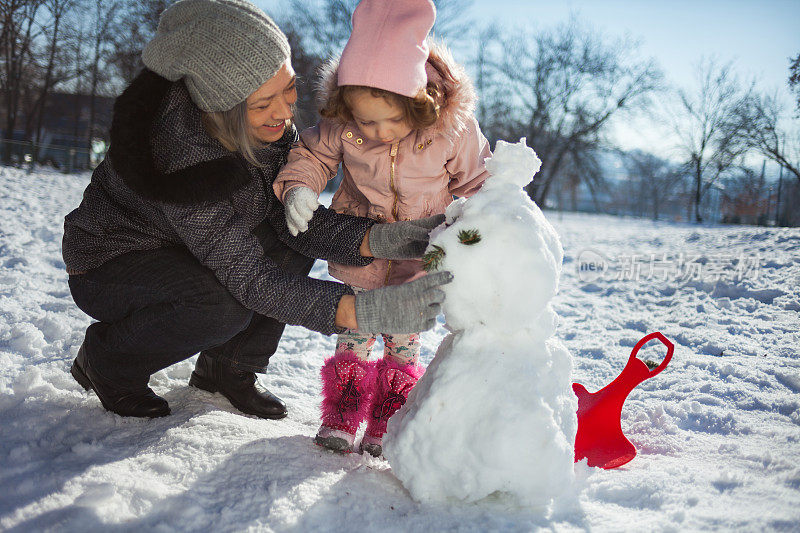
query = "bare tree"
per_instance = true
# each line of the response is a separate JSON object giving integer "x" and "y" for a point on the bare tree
{"x": 788, "y": 205}
{"x": 652, "y": 181}
{"x": 77, "y": 63}
{"x": 710, "y": 127}
{"x": 305, "y": 65}
{"x": 763, "y": 132}
{"x": 582, "y": 167}
{"x": 102, "y": 30}
{"x": 566, "y": 84}
{"x": 57, "y": 10}
{"x": 794, "y": 79}
{"x": 485, "y": 64}
{"x": 17, "y": 36}
{"x": 137, "y": 24}
{"x": 324, "y": 25}
{"x": 747, "y": 197}
{"x": 452, "y": 20}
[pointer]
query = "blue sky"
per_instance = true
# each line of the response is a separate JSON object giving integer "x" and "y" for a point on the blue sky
{"x": 757, "y": 36}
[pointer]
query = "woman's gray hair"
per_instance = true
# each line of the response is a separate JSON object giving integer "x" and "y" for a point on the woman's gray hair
{"x": 232, "y": 130}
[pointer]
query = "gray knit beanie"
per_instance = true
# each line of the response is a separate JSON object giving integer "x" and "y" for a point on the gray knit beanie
{"x": 223, "y": 49}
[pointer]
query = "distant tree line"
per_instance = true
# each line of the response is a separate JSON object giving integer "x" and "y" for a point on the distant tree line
{"x": 562, "y": 88}
{"x": 87, "y": 47}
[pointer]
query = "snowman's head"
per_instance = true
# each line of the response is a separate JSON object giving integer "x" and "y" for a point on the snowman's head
{"x": 504, "y": 255}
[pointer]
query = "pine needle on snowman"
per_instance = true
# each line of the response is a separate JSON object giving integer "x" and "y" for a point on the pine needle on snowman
{"x": 495, "y": 411}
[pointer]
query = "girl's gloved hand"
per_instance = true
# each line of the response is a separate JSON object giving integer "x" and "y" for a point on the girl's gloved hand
{"x": 300, "y": 204}
{"x": 406, "y": 308}
{"x": 402, "y": 240}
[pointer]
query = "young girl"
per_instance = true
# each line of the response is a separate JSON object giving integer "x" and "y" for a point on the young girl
{"x": 398, "y": 116}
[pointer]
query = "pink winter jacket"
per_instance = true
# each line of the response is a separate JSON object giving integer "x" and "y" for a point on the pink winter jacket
{"x": 413, "y": 178}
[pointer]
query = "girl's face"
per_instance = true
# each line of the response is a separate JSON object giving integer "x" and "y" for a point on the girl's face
{"x": 377, "y": 118}
{"x": 269, "y": 108}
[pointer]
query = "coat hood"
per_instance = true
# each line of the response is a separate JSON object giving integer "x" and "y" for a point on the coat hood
{"x": 160, "y": 148}
{"x": 452, "y": 79}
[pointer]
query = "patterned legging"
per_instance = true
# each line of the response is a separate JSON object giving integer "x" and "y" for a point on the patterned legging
{"x": 404, "y": 349}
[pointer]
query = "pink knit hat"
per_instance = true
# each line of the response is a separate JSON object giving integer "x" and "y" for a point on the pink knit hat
{"x": 387, "y": 47}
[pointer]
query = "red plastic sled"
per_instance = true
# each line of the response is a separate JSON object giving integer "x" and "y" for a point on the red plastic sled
{"x": 599, "y": 436}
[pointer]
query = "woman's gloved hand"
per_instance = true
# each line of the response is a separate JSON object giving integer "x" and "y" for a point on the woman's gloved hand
{"x": 402, "y": 240}
{"x": 300, "y": 204}
{"x": 406, "y": 308}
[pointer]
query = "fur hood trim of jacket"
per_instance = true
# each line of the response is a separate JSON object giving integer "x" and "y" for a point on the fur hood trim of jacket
{"x": 160, "y": 149}
{"x": 452, "y": 79}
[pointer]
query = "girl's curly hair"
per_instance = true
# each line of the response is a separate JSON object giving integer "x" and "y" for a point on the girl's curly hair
{"x": 419, "y": 112}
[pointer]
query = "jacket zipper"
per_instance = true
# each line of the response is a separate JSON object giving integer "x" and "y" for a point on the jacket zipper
{"x": 392, "y": 158}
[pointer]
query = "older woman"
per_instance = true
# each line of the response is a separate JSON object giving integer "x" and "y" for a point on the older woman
{"x": 180, "y": 246}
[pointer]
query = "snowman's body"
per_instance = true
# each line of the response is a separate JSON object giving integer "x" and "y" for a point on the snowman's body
{"x": 495, "y": 409}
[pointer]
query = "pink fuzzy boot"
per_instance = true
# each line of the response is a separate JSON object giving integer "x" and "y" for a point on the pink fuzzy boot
{"x": 393, "y": 382}
{"x": 346, "y": 395}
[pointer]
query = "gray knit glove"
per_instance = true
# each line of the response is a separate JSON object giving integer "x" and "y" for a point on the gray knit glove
{"x": 402, "y": 240}
{"x": 407, "y": 308}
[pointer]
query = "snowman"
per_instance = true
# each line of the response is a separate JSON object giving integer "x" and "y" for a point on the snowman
{"x": 495, "y": 411}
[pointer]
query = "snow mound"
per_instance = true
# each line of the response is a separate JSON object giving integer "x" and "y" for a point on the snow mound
{"x": 208, "y": 468}
{"x": 495, "y": 411}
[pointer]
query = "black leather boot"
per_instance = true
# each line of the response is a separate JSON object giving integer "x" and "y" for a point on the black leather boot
{"x": 238, "y": 386}
{"x": 122, "y": 399}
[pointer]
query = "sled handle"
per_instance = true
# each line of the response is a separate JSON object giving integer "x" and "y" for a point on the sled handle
{"x": 661, "y": 338}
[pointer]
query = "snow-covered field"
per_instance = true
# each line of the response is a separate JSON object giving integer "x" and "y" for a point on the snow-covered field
{"x": 718, "y": 432}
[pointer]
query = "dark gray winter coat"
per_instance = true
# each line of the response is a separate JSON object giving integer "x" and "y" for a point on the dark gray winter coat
{"x": 166, "y": 182}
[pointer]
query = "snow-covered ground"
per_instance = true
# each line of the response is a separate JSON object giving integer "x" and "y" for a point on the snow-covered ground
{"x": 718, "y": 432}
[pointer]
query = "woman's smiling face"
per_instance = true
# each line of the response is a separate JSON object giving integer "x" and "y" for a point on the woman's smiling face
{"x": 269, "y": 108}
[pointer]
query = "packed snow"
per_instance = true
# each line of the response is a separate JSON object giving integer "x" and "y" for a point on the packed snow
{"x": 718, "y": 431}
{"x": 498, "y": 380}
